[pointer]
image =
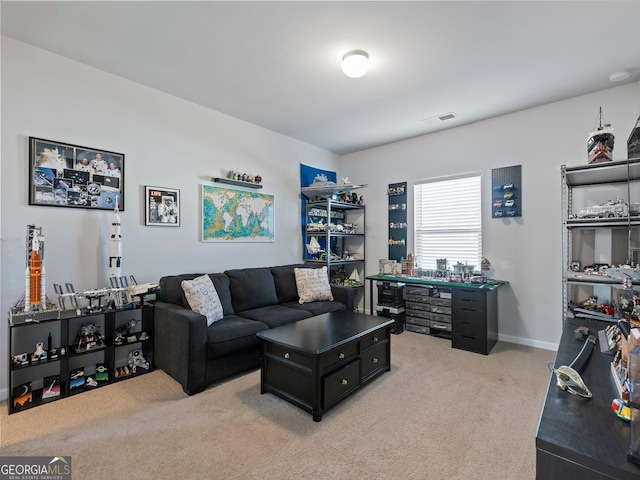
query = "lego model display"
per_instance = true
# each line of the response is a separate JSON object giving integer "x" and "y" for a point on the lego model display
{"x": 616, "y": 208}
{"x": 33, "y": 305}
{"x": 136, "y": 359}
{"x": 88, "y": 338}
{"x": 633, "y": 144}
{"x": 600, "y": 142}
{"x": 115, "y": 246}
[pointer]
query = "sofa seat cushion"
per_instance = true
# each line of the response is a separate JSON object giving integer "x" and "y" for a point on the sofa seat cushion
{"x": 275, "y": 315}
{"x": 232, "y": 334}
{"x": 317, "y": 308}
{"x": 251, "y": 288}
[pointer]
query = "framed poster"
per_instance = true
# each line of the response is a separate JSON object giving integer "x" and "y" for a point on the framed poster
{"x": 162, "y": 206}
{"x": 65, "y": 175}
{"x": 230, "y": 215}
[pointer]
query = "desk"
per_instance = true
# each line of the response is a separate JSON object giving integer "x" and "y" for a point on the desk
{"x": 578, "y": 437}
{"x": 474, "y": 309}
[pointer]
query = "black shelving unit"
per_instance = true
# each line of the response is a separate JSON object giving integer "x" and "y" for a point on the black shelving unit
{"x": 58, "y": 336}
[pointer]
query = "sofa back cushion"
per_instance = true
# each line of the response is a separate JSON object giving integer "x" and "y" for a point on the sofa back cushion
{"x": 251, "y": 288}
{"x": 171, "y": 290}
{"x": 285, "y": 280}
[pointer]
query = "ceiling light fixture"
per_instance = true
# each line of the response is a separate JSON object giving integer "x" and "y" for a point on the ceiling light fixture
{"x": 619, "y": 76}
{"x": 355, "y": 63}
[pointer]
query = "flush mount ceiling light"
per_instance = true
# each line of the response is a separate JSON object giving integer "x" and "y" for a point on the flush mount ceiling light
{"x": 355, "y": 63}
{"x": 619, "y": 76}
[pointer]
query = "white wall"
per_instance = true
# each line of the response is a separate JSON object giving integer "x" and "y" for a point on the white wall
{"x": 167, "y": 142}
{"x": 525, "y": 251}
{"x": 173, "y": 143}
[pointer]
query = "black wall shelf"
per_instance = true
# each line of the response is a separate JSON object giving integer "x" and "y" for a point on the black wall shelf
{"x": 238, "y": 183}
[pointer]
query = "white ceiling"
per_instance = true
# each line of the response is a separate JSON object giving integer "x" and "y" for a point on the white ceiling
{"x": 276, "y": 64}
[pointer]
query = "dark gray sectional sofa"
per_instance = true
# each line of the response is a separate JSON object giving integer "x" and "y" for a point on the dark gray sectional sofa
{"x": 253, "y": 300}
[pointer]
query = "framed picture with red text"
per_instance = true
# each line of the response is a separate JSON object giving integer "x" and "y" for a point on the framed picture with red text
{"x": 162, "y": 206}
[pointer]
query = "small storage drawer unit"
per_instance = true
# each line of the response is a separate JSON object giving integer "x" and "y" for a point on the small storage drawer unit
{"x": 397, "y": 314}
{"x": 475, "y": 320}
{"x": 390, "y": 293}
{"x": 428, "y": 309}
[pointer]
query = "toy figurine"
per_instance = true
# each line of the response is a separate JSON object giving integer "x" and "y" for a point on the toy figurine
{"x": 137, "y": 360}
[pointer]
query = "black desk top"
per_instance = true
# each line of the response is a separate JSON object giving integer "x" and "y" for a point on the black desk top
{"x": 490, "y": 285}
{"x": 323, "y": 332}
{"x": 582, "y": 430}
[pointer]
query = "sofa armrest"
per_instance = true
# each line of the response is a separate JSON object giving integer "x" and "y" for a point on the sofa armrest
{"x": 343, "y": 294}
{"x": 180, "y": 345}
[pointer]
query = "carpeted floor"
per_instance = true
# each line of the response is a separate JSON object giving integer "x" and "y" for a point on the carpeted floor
{"x": 439, "y": 414}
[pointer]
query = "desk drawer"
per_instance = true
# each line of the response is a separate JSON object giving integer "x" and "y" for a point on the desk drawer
{"x": 439, "y": 326}
{"x": 468, "y": 329}
{"x": 440, "y": 310}
{"x": 340, "y": 383}
{"x": 436, "y": 317}
{"x": 417, "y": 321}
{"x": 417, "y": 291}
{"x": 417, "y": 306}
{"x": 338, "y": 355}
{"x": 417, "y": 299}
{"x": 470, "y": 300}
{"x": 419, "y": 313}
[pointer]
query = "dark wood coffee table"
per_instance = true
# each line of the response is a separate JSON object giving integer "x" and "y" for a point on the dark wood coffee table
{"x": 316, "y": 362}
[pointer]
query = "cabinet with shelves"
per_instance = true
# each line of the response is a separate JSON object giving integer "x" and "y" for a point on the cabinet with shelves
{"x": 56, "y": 358}
{"x": 601, "y": 229}
{"x": 397, "y": 193}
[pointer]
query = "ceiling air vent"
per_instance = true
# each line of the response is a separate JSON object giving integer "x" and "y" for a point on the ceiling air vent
{"x": 439, "y": 118}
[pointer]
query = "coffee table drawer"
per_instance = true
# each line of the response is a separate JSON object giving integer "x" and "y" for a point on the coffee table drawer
{"x": 373, "y": 339}
{"x": 340, "y": 383}
{"x": 374, "y": 359}
{"x": 287, "y": 354}
{"x": 338, "y": 355}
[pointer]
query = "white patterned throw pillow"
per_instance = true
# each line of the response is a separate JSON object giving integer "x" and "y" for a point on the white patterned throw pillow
{"x": 313, "y": 284}
{"x": 203, "y": 298}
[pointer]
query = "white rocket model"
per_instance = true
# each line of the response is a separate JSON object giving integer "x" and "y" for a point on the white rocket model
{"x": 35, "y": 297}
{"x": 115, "y": 246}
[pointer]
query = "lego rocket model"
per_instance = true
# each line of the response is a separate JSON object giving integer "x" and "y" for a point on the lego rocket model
{"x": 115, "y": 246}
{"x": 35, "y": 275}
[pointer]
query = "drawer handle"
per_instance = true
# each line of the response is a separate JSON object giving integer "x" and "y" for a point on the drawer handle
{"x": 375, "y": 339}
{"x": 286, "y": 355}
{"x": 344, "y": 381}
{"x": 374, "y": 360}
{"x": 341, "y": 356}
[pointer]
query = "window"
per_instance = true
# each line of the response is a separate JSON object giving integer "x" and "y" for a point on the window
{"x": 448, "y": 222}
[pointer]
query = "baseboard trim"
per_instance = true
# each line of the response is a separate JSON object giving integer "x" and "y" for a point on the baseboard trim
{"x": 528, "y": 342}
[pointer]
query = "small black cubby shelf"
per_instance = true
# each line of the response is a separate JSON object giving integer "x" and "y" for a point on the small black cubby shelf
{"x": 36, "y": 379}
{"x": 397, "y": 193}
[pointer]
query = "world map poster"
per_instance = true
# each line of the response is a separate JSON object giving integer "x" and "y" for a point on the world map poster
{"x": 235, "y": 215}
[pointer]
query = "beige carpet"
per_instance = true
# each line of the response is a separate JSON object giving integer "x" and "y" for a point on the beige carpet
{"x": 439, "y": 413}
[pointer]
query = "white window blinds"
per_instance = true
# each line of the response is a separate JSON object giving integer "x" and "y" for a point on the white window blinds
{"x": 448, "y": 222}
